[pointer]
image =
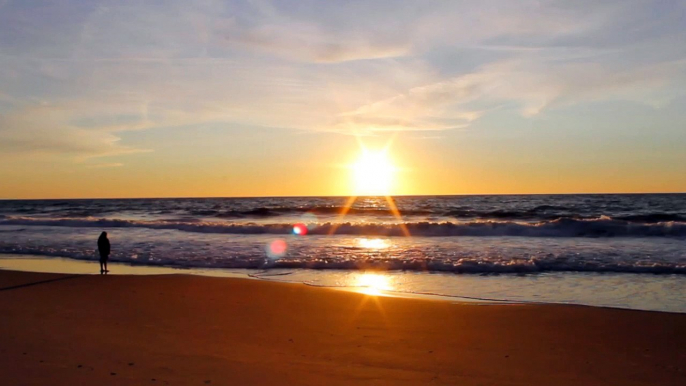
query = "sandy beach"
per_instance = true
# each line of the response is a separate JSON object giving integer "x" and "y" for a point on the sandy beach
{"x": 188, "y": 330}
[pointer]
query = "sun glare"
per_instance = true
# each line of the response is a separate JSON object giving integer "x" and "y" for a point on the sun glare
{"x": 373, "y": 243}
{"x": 373, "y": 173}
{"x": 374, "y": 284}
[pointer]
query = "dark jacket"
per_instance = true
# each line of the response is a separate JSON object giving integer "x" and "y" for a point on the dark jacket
{"x": 103, "y": 245}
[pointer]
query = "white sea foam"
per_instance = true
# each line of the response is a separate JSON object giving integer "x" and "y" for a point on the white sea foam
{"x": 468, "y": 255}
{"x": 599, "y": 227}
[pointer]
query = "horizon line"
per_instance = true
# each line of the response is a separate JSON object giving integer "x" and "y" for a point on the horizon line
{"x": 339, "y": 196}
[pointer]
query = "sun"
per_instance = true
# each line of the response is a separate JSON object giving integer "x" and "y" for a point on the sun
{"x": 373, "y": 173}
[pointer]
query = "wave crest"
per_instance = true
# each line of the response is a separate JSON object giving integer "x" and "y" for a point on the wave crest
{"x": 600, "y": 227}
{"x": 459, "y": 266}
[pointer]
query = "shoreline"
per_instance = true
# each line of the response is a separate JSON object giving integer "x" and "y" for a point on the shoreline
{"x": 190, "y": 329}
{"x": 66, "y": 265}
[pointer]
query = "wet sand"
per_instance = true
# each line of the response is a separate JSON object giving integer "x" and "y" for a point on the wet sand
{"x": 60, "y": 329}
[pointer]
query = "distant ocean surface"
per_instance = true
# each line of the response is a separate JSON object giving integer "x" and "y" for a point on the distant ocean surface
{"x": 539, "y": 236}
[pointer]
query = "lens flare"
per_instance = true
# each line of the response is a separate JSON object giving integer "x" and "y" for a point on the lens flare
{"x": 309, "y": 219}
{"x": 300, "y": 229}
{"x": 276, "y": 249}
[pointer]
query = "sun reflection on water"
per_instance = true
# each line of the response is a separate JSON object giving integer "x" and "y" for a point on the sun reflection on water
{"x": 373, "y": 284}
{"x": 373, "y": 243}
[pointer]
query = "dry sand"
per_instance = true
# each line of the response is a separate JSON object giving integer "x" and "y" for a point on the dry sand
{"x": 191, "y": 330}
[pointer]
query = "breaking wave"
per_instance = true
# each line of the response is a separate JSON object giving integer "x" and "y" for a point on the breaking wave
{"x": 458, "y": 266}
{"x": 565, "y": 227}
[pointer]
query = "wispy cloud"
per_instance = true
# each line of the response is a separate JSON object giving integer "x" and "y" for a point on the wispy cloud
{"x": 76, "y": 77}
{"x": 534, "y": 84}
{"x": 46, "y": 130}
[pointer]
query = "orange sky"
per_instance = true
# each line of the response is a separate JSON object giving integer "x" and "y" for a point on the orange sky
{"x": 423, "y": 169}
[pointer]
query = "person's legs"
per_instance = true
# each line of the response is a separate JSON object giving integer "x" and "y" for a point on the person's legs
{"x": 103, "y": 263}
{"x": 106, "y": 266}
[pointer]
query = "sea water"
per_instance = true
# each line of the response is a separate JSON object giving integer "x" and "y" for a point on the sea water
{"x": 609, "y": 250}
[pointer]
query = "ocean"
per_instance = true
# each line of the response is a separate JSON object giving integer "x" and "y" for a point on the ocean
{"x": 618, "y": 250}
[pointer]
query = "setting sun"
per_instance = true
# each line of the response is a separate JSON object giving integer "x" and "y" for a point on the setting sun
{"x": 373, "y": 173}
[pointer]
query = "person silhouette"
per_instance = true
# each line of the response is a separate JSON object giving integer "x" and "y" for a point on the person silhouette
{"x": 104, "y": 249}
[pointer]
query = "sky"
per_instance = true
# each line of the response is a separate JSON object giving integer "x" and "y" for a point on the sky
{"x": 273, "y": 98}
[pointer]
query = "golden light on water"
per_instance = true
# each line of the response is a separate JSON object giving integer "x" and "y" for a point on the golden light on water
{"x": 374, "y": 284}
{"x": 373, "y": 243}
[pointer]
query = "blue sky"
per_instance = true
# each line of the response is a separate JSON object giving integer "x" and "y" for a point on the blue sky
{"x": 178, "y": 98}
